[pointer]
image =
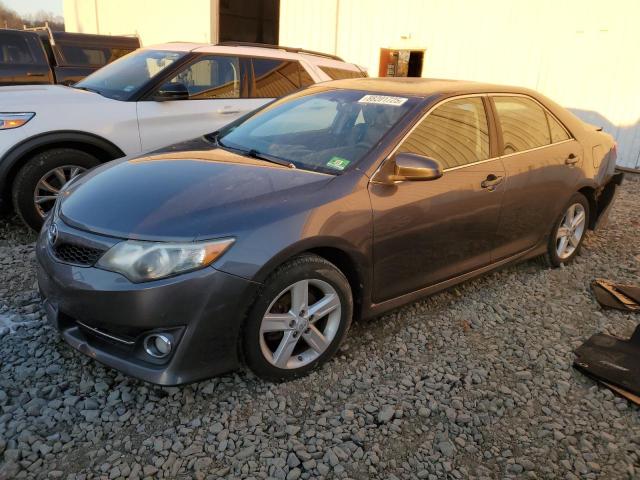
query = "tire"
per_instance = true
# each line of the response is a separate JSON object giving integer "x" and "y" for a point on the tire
{"x": 39, "y": 167}
{"x": 323, "y": 281}
{"x": 553, "y": 258}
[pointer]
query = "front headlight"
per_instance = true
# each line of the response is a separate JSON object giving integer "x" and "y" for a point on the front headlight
{"x": 14, "y": 120}
{"x": 145, "y": 261}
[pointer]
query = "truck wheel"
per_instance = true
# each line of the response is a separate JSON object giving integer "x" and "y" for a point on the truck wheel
{"x": 39, "y": 181}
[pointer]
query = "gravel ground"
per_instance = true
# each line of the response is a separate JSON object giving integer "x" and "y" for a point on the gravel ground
{"x": 475, "y": 382}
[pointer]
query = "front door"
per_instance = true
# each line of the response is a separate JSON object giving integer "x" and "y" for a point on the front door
{"x": 428, "y": 232}
{"x": 215, "y": 85}
{"x": 541, "y": 161}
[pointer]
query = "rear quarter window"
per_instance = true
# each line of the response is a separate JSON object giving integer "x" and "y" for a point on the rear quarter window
{"x": 342, "y": 73}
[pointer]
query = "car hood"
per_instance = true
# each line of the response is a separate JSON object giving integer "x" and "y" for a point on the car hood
{"x": 182, "y": 194}
{"x": 32, "y": 98}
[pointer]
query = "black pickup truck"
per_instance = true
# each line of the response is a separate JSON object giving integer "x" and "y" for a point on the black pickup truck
{"x": 41, "y": 55}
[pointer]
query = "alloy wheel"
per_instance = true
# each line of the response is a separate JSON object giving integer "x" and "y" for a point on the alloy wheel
{"x": 300, "y": 324}
{"x": 49, "y": 186}
{"x": 570, "y": 231}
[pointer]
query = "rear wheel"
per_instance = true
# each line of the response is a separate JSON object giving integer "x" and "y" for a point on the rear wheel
{"x": 568, "y": 232}
{"x": 40, "y": 180}
{"x": 299, "y": 319}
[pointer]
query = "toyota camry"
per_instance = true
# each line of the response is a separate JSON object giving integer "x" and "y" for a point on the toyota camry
{"x": 259, "y": 243}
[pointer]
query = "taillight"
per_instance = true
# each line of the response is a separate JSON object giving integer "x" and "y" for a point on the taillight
{"x": 614, "y": 152}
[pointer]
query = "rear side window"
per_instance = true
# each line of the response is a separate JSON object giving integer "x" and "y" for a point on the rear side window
{"x": 341, "y": 73}
{"x": 558, "y": 133}
{"x": 523, "y": 122}
{"x": 455, "y": 134}
{"x": 274, "y": 78}
{"x": 14, "y": 49}
{"x": 80, "y": 56}
{"x": 211, "y": 77}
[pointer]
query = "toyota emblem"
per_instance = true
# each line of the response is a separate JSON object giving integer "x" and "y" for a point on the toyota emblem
{"x": 52, "y": 233}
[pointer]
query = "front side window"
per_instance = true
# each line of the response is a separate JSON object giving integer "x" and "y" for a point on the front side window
{"x": 120, "y": 79}
{"x": 211, "y": 77}
{"x": 14, "y": 49}
{"x": 328, "y": 131}
{"x": 455, "y": 134}
{"x": 523, "y": 122}
{"x": 274, "y": 78}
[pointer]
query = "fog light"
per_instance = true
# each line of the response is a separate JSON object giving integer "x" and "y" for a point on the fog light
{"x": 157, "y": 345}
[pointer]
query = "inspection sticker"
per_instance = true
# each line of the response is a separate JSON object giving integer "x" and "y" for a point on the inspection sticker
{"x": 338, "y": 163}
{"x": 383, "y": 100}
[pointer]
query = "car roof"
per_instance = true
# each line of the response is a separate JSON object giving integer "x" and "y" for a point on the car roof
{"x": 422, "y": 87}
{"x": 255, "y": 51}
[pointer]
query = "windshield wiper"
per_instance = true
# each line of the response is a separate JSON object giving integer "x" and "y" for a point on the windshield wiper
{"x": 253, "y": 153}
{"x": 87, "y": 89}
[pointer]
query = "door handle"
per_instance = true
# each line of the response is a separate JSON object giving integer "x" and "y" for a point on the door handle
{"x": 571, "y": 159}
{"x": 227, "y": 111}
{"x": 34, "y": 74}
{"x": 491, "y": 182}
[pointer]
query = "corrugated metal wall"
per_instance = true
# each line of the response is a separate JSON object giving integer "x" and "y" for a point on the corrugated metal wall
{"x": 581, "y": 53}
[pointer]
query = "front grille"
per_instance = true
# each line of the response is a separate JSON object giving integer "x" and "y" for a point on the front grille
{"x": 77, "y": 255}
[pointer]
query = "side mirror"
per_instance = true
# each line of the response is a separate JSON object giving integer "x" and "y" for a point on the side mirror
{"x": 171, "y": 91}
{"x": 413, "y": 167}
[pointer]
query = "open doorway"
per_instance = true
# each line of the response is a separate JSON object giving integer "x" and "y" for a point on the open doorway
{"x": 401, "y": 63}
{"x": 415, "y": 63}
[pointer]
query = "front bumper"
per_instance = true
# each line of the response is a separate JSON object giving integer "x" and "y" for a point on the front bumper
{"x": 105, "y": 316}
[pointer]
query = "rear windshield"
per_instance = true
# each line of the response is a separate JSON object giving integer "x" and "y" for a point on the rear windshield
{"x": 329, "y": 131}
{"x": 341, "y": 73}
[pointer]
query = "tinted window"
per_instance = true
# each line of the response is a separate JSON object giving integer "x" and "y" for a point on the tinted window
{"x": 85, "y": 56}
{"x": 305, "y": 78}
{"x": 558, "y": 133}
{"x": 341, "y": 73}
{"x": 328, "y": 131}
{"x": 211, "y": 77}
{"x": 274, "y": 78}
{"x": 455, "y": 134}
{"x": 523, "y": 122}
{"x": 14, "y": 49}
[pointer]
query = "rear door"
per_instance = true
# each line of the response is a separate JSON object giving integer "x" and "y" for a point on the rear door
{"x": 541, "y": 161}
{"x": 217, "y": 86}
{"x": 428, "y": 232}
{"x": 22, "y": 59}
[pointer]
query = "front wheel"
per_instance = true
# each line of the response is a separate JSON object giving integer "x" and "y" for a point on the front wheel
{"x": 568, "y": 232}
{"x": 40, "y": 180}
{"x": 299, "y": 319}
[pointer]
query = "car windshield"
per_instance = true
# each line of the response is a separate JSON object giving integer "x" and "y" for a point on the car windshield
{"x": 329, "y": 131}
{"x": 121, "y": 78}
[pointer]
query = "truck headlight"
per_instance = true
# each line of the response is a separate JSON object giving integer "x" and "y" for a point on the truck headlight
{"x": 14, "y": 120}
{"x": 144, "y": 261}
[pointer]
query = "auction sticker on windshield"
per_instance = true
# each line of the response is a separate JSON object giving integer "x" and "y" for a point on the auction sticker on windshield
{"x": 338, "y": 163}
{"x": 383, "y": 100}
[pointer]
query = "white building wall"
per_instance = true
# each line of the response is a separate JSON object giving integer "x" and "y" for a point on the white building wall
{"x": 581, "y": 53}
{"x": 154, "y": 21}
